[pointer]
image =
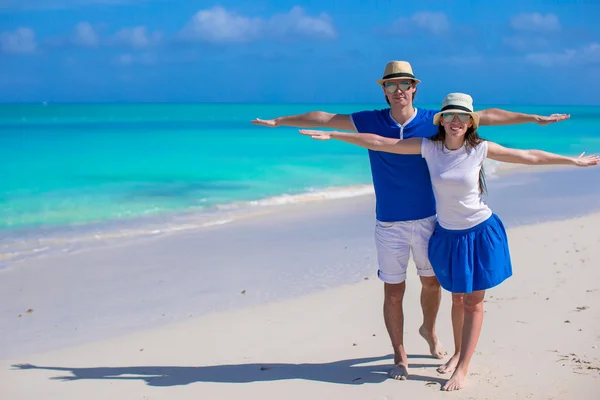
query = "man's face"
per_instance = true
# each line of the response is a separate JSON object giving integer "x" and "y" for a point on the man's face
{"x": 399, "y": 92}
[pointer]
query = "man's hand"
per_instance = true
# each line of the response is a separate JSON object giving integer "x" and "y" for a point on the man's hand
{"x": 271, "y": 123}
{"x": 587, "y": 161}
{"x": 498, "y": 117}
{"x": 543, "y": 120}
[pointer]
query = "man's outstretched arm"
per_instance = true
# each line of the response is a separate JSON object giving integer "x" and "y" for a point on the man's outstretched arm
{"x": 496, "y": 116}
{"x": 313, "y": 119}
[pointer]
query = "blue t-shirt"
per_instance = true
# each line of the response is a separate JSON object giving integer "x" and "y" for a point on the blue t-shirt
{"x": 402, "y": 184}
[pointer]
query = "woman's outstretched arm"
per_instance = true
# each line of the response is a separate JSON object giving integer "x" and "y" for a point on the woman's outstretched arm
{"x": 537, "y": 157}
{"x": 369, "y": 141}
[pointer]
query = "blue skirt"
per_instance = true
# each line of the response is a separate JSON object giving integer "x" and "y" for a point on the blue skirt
{"x": 472, "y": 259}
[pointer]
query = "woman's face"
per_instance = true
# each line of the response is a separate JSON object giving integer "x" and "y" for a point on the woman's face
{"x": 456, "y": 125}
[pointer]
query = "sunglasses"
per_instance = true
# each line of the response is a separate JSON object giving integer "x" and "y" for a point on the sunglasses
{"x": 448, "y": 117}
{"x": 391, "y": 87}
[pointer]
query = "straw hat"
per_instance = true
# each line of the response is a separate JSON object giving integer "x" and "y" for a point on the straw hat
{"x": 397, "y": 70}
{"x": 458, "y": 103}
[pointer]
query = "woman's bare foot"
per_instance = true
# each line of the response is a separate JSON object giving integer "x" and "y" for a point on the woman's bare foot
{"x": 457, "y": 381}
{"x": 398, "y": 372}
{"x": 435, "y": 347}
{"x": 450, "y": 366}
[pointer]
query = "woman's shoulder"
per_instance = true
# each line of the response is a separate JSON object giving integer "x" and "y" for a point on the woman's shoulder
{"x": 480, "y": 149}
{"x": 483, "y": 144}
{"x": 430, "y": 148}
{"x": 434, "y": 144}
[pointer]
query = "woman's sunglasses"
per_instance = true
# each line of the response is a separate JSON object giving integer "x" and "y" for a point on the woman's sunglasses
{"x": 449, "y": 117}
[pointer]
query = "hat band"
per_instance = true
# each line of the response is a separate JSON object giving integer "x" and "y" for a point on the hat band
{"x": 399, "y": 75}
{"x": 455, "y": 107}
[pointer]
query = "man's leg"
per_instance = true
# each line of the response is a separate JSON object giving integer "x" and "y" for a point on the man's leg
{"x": 393, "y": 252}
{"x": 431, "y": 296}
{"x": 394, "y": 322}
{"x": 431, "y": 292}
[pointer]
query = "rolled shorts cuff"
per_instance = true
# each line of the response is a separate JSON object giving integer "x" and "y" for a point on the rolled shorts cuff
{"x": 426, "y": 272}
{"x": 391, "y": 278}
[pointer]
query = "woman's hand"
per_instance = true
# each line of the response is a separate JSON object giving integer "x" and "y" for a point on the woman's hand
{"x": 315, "y": 134}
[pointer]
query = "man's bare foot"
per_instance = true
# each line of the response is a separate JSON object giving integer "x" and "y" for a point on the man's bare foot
{"x": 457, "y": 381}
{"x": 435, "y": 347}
{"x": 450, "y": 366}
{"x": 398, "y": 372}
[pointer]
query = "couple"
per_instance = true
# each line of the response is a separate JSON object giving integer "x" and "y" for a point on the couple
{"x": 464, "y": 248}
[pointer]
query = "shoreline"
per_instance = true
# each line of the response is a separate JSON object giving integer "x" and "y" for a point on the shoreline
{"x": 332, "y": 342}
{"x": 21, "y": 244}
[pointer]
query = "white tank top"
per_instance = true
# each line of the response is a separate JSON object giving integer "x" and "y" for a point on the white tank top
{"x": 455, "y": 180}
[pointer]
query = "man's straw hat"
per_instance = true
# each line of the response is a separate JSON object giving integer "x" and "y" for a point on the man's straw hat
{"x": 398, "y": 70}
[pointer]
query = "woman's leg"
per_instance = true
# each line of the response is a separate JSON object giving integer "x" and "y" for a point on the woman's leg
{"x": 473, "y": 309}
{"x": 458, "y": 315}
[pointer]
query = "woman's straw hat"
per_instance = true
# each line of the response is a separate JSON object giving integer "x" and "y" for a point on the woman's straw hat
{"x": 457, "y": 103}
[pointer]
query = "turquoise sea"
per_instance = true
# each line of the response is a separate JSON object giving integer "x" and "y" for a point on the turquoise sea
{"x": 96, "y": 166}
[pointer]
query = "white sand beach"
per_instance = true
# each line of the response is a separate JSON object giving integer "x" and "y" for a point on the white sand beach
{"x": 119, "y": 323}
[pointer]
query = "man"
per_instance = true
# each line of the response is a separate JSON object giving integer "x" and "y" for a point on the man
{"x": 405, "y": 206}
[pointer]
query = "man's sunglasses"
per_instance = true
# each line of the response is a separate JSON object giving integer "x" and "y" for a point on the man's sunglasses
{"x": 391, "y": 87}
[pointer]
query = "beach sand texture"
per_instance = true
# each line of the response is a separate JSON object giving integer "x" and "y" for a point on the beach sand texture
{"x": 540, "y": 339}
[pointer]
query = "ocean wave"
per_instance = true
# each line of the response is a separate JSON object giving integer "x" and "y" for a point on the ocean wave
{"x": 316, "y": 195}
{"x": 20, "y": 245}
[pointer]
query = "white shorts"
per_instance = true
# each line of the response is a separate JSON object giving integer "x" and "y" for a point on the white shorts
{"x": 396, "y": 240}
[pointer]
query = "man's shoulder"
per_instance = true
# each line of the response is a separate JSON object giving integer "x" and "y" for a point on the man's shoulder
{"x": 372, "y": 113}
{"x": 370, "y": 120}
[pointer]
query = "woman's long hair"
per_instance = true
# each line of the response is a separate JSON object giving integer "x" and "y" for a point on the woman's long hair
{"x": 472, "y": 139}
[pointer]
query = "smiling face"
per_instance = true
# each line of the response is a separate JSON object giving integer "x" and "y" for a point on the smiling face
{"x": 455, "y": 124}
{"x": 399, "y": 92}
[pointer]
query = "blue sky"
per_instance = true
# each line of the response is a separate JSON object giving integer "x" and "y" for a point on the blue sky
{"x": 501, "y": 52}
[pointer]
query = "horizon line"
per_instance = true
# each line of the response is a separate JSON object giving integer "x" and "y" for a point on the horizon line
{"x": 262, "y": 103}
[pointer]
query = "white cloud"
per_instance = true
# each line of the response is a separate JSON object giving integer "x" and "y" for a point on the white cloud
{"x": 433, "y": 22}
{"x": 589, "y": 54}
{"x": 85, "y": 35}
{"x": 219, "y": 25}
{"x": 19, "y": 41}
{"x": 137, "y": 37}
{"x": 88, "y": 35}
{"x": 535, "y": 22}
{"x": 296, "y": 22}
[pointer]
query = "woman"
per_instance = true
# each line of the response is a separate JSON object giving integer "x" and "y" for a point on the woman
{"x": 468, "y": 249}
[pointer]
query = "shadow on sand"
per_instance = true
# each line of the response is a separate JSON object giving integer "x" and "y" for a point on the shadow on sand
{"x": 344, "y": 372}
